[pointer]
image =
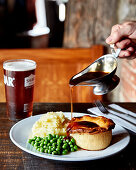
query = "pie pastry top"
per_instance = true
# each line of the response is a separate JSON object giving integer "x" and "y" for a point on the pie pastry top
{"x": 88, "y": 124}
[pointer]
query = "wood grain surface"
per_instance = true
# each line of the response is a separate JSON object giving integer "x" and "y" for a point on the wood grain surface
{"x": 55, "y": 67}
{"x": 13, "y": 158}
{"x": 89, "y": 22}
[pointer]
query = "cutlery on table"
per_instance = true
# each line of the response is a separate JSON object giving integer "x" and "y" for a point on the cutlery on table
{"x": 123, "y": 116}
{"x": 126, "y": 121}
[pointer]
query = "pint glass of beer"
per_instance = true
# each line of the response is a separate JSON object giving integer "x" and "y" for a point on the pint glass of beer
{"x": 19, "y": 79}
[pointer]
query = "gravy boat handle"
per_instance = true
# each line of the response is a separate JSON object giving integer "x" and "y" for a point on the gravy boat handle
{"x": 115, "y": 53}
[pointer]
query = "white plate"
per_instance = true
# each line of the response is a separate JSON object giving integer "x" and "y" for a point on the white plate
{"x": 20, "y": 132}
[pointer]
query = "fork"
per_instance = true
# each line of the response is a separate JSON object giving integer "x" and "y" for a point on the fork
{"x": 101, "y": 107}
{"x": 104, "y": 110}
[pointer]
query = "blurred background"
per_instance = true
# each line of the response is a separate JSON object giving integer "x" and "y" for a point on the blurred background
{"x": 32, "y": 23}
{"x": 69, "y": 24}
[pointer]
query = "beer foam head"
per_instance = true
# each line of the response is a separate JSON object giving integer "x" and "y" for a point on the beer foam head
{"x": 19, "y": 65}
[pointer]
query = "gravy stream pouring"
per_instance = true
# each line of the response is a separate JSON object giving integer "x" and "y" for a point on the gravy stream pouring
{"x": 100, "y": 75}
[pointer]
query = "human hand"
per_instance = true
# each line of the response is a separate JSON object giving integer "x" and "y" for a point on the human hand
{"x": 124, "y": 37}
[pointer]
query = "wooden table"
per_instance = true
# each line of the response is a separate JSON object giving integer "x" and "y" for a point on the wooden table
{"x": 11, "y": 157}
{"x": 55, "y": 67}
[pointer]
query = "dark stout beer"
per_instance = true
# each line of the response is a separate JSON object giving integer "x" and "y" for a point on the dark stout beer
{"x": 19, "y": 78}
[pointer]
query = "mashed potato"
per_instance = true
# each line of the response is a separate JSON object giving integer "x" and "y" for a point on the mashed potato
{"x": 50, "y": 123}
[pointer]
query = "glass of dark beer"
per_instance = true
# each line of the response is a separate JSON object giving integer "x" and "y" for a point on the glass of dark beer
{"x": 19, "y": 79}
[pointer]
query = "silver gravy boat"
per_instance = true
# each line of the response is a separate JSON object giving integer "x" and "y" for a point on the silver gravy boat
{"x": 103, "y": 83}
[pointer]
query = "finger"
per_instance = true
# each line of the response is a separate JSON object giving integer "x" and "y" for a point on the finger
{"x": 125, "y": 53}
{"x": 125, "y": 29}
{"x": 133, "y": 53}
{"x": 114, "y": 36}
{"x": 132, "y": 56}
{"x": 129, "y": 58}
{"x": 119, "y": 31}
{"x": 131, "y": 49}
{"x": 123, "y": 44}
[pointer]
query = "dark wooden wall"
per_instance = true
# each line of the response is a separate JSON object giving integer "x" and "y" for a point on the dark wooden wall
{"x": 89, "y": 22}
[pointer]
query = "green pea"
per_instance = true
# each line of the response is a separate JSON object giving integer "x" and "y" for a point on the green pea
{"x": 32, "y": 143}
{"x": 64, "y": 152}
{"x": 47, "y": 147}
{"x": 54, "y": 139}
{"x": 70, "y": 143}
{"x": 50, "y": 147}
{"x": 46, "y": 150}
{"x": 57, "y": 136}
{"x": 41, "y": 150}
{"x": 46, "y": 141}
{"x": 72, "y": 150}
{"x": 59, "y": 146}
{"x": 35, "y": 138}
{"x": 54, "y": 136}
{"x": 64, "y": 141}
{"x": 51, "y": 141}
{"x": 38, "y": 149}
{"x": 54, "y": 144}
{"x": 73, "y": 140}
{"x": 57, "y": 149}
{"x": 67, "y": 140}
{"x": 30, "y": 140}
{"x": 64, "y": 146}
{"x": 59, "y": 141}
{"x": 35, "y": 145}
{"x": 46, "y": 138}
{"x": 50, "y": 137}
{"x": 41, "y": 144}
{"x": 38, "y": 139}
{"x": 54, "y": 153}
{"x": 75, "y": 148}
{"x": 44, "y": 146}
{"x": 49, "y": 144}
{"x": 42, "y": 141}
{"x": 71, "y": 146}
{"x": 49, "y": 151}
{"x": 53, "y": 149}
{"x": 60, "y": 137}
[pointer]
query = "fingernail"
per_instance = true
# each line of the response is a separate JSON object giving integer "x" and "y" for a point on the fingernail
{"x": 109, "y": 40}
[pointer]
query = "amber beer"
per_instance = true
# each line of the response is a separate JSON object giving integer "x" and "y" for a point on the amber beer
{"x": 19, "y": 79}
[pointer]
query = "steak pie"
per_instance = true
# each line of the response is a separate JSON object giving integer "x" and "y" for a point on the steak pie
{"x": 91, "y": 133}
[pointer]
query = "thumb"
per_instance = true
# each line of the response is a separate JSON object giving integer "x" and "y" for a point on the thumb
{"x": 116, "y": 34}
{"x": 119, "y": 31}
{"x": 113, "y": 38}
